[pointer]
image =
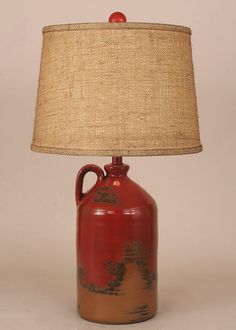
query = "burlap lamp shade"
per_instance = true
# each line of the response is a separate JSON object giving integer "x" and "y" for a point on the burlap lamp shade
{"x": 116, "y": 89}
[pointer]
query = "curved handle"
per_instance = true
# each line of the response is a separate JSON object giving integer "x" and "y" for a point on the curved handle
{"x": 79, "y": 195}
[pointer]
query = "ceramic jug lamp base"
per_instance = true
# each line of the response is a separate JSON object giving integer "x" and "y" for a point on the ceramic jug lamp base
{"x": 116, "y": 247}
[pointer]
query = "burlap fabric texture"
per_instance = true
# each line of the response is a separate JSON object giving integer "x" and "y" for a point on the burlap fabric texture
{"x": 116, "y": 89}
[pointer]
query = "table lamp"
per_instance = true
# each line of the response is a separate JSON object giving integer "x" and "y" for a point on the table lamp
{"x": 116, "y": 89}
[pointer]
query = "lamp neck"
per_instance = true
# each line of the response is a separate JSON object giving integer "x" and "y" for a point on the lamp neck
{"x": 116, "y": 168}
{"x": 117, "y": 160}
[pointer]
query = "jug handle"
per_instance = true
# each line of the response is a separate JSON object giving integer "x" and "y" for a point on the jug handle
{"x": 79, "y": 195}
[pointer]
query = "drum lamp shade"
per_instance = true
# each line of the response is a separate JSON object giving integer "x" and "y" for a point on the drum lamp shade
{"x": 114, "y": 89}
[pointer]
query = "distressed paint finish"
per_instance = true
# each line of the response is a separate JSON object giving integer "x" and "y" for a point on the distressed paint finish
{"x": 116, "y": 248}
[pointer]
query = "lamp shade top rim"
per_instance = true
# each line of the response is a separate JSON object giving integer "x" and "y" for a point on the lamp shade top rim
{"x": 116, "y": 26}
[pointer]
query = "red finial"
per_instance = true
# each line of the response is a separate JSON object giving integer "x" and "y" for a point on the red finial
{"x": 117, "y": 17}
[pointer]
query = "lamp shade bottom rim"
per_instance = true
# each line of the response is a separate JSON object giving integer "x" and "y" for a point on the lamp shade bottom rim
{"x": 117, "y": 152}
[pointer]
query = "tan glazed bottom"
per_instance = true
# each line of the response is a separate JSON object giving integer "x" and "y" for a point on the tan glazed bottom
{"x": 136, "y": 304}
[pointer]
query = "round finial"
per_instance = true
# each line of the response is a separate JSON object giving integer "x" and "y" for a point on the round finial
{"x": 117, "y": 17}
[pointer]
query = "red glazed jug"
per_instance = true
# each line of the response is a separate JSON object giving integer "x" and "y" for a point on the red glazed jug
{"x": 116, "y": 248}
